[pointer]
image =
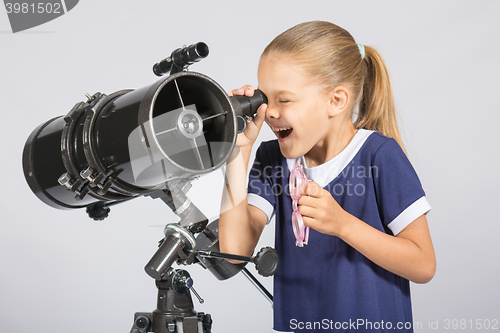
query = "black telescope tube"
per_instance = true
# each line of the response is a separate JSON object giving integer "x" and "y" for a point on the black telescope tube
{"x": 181, "y": 58}
{"x": 247, "y": 106}
{"x": 90, "y": 155}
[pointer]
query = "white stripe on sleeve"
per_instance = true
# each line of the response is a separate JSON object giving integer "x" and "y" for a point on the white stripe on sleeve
{"x": 262, "y": 204}
{"x": 410, "y": 214}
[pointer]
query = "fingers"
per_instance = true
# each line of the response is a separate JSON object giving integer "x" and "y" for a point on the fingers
{"x": 306, "y": 210}
{"x": 312, "y": 190}
{"x": 309, "y": 195}
{"x": 247, "y": 90}
{"x": 261, "y": 116}
{"x": 309, "y": 217}
{"x": 308, "y": 221}
{"x": 308, "y": 201}
{"x": 253, "y": 128}
{"x": 249, "y": 136}
{"x": 312, "y": 214}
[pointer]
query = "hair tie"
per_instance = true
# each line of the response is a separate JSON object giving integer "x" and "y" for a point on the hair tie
{"x": 361, "y": 50}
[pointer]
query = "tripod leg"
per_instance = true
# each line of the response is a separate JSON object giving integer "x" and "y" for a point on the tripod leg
{"x": 258, "y": 285}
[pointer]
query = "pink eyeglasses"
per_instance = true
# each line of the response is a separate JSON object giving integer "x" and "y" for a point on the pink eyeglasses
{"x": 297, "y": 180}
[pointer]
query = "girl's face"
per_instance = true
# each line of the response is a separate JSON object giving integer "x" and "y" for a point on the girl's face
{"x": 297, "y": 110}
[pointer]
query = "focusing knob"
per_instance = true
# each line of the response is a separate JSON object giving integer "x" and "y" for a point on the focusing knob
{"x": 98, "y": 211}
{"x": 267, "y": 261}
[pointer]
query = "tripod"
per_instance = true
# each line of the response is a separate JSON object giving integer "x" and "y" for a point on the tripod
{"x": 175, "y": 311}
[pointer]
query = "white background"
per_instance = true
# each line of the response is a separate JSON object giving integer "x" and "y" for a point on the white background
{"x": 61, "y": 272}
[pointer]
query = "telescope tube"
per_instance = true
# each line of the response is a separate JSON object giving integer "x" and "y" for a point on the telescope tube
{"x": 134, "y": 142}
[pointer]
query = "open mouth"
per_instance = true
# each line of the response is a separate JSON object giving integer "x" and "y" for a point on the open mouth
{"x": 283, "y": 132}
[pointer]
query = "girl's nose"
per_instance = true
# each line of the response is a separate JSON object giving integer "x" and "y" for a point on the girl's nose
{"x": 272, "y": 112}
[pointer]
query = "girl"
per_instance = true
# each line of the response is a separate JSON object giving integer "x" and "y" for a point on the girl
{"x": 364, "y": 234}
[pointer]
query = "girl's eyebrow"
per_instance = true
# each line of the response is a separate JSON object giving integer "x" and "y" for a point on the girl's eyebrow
{"x": 284, "y": 92}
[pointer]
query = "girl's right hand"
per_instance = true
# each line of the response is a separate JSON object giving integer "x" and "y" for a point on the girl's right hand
{"x": 246, "y": 139}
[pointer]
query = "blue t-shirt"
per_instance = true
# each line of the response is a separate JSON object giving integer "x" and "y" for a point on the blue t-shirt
{"x": 327, "y": 285}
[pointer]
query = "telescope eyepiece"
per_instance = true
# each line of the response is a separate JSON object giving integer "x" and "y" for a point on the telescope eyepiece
{"x": 181, "y": 58}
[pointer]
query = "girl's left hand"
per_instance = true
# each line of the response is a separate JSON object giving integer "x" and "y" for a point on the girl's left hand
{"x": 320, "y": 211}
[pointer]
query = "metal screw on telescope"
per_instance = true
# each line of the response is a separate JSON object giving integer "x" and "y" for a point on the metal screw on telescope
{"x": 87, "y": 174}
{"x": 65, "y": 180}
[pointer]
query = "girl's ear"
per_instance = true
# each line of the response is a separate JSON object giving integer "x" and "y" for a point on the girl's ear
{"x": 338, "y": 99}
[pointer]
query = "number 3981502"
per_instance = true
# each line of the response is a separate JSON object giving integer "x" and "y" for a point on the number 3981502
{"x": 39, "y": 8}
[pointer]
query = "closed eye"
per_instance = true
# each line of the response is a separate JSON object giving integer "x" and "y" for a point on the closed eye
{"x": 284, "y": 101}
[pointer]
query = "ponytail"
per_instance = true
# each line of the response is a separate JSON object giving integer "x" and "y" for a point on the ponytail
{"x": 377, "y": 111}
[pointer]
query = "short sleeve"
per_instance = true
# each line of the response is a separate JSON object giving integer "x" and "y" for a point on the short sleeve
{"x": 260, "y": 183}
{"x": 400, "y": 196}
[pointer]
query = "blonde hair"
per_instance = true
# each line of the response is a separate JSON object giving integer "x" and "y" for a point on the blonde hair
{"x": 331, "y": 57}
